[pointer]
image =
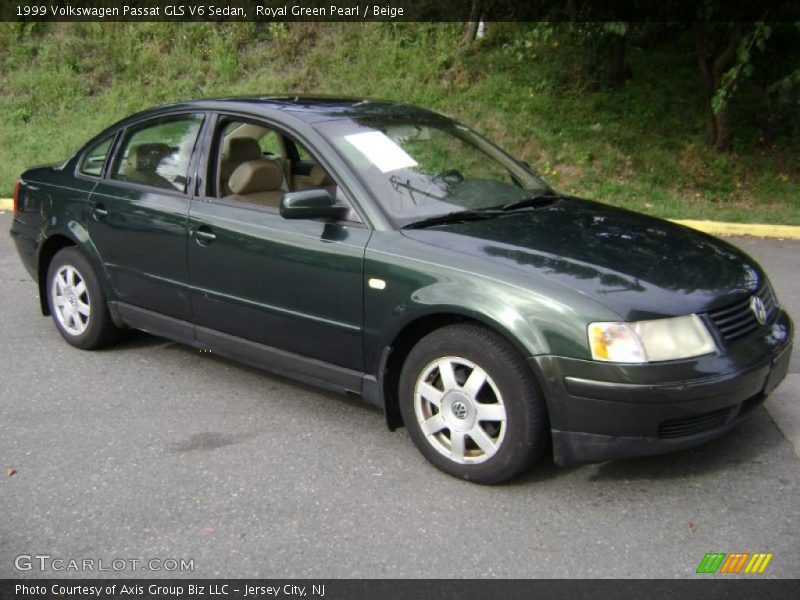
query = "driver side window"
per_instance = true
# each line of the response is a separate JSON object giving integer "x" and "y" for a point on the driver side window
{"x": 256, "y": 164}
{"x": 271, "y": 144}
{"x": 250, "y": 166}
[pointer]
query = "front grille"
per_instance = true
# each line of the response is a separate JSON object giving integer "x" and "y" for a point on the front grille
{"x": 674, "y": 428}
{"x": 737, "y": 320}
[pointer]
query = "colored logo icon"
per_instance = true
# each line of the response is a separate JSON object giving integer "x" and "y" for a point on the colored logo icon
{"x": 734, "y": 563}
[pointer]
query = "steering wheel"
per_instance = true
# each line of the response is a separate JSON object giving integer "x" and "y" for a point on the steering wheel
{"x": 450, "y": 176}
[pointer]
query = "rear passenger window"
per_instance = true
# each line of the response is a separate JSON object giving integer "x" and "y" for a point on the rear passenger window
{"x": 158, "y": 155}
{"x": 95, "y": 158}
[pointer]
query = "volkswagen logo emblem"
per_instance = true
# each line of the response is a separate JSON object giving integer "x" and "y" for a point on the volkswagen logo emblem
{"x": 459, "y": 410}
{"x": 757, "y": 306}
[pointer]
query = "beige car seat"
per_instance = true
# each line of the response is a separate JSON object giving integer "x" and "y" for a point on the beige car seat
{"x": 316, "y": 178}
{"x": 236, "y": 151}
{"x": 257, "y": 182}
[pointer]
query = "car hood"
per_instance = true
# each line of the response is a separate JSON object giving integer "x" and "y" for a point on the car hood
{"x": 638, "y": 266}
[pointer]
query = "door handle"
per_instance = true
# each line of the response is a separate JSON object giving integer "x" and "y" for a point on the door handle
{"x": 204, "y": 236}
{"x": 99, "y": 211}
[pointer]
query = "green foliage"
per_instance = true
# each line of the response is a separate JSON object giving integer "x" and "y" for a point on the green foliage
{"x": 757, "y": 39}
{"x": 527, "y": 86}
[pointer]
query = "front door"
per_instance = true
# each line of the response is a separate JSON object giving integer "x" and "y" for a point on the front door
{"x": 292, "y": 285}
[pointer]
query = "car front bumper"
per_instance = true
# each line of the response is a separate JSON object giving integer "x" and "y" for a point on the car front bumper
{"x": 599, "y": 411}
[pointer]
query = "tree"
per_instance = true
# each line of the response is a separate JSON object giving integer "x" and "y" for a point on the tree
{"x": 713, "y": 62}
{"x": 474, "y": 21}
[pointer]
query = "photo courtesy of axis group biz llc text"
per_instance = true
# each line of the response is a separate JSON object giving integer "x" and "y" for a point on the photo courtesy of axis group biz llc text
{"x": 399, "y": 299}
{"x": 173, "y": 589}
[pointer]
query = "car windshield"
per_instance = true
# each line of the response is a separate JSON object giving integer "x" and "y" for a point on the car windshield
{"x": 423, "y": 167}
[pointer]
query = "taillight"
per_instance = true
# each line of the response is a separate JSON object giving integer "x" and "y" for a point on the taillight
{"x": 16, "y": 196}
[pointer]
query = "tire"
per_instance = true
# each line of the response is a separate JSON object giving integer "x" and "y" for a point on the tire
{"x": 442, "y": 405}
{"x": 77, "y": 303}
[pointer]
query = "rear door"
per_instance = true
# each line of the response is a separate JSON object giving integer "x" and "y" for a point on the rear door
{"x": 138, "y": 214}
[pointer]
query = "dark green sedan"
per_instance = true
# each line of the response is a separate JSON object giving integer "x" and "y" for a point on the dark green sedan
{"x": 390, "y": 252}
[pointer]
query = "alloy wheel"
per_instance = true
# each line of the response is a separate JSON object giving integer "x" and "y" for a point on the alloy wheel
{"x": 71, "y": 300}
{"x": 460, "y": 410}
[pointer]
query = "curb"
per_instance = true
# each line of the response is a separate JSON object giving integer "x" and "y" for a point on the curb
{"x": 761, "y": 230}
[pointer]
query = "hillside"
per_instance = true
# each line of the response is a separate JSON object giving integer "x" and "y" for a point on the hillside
{"x": 640, "y": 146}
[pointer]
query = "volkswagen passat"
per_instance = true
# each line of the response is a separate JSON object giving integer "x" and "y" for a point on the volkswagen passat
{"x": 388, "y": 251}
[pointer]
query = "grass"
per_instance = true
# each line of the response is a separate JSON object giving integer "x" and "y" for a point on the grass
{"x": 640, "y": 146}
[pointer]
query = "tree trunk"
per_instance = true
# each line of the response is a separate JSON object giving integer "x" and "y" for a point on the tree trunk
{"x": 572, "y": 12}
{"x": 618, "y": 62}
{"x": 474, "y": 22}
{"x": 719, "y": 133}
{"x": 724, "y": 133}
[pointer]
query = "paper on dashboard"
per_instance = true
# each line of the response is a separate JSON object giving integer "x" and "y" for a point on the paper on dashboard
{"x": 381, "y": 151}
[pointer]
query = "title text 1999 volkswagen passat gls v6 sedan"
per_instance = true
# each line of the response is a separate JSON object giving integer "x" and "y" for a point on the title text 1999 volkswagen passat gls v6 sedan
{"x": 388, "y": 251}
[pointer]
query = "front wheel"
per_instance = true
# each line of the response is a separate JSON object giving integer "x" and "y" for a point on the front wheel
{"x": 471, "y": 404}
{"x": 76, "y": 301}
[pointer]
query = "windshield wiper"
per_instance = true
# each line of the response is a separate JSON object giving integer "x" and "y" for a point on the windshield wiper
{"x": 459, "y": 216}
{"x": 531, "y": 202}
{"x": 397, "y": 185}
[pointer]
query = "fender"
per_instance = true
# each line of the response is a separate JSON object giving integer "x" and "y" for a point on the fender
{"x": 533, "y": 324}
{"x": 73, "y": 229}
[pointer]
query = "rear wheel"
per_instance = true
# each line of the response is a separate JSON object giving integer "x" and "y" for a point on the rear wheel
{"x": 471, "y": 404}
{"x": 77, "y": 302}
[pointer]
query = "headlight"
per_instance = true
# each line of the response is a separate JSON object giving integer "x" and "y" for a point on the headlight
{"x": 650, "y": 341}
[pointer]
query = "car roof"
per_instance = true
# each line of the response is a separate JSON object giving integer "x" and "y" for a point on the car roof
{"x": 304, "y": 108}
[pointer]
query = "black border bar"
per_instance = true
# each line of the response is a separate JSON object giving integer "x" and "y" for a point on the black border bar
{"x": 265, "y": 11}
{"x": 708, "y": 587}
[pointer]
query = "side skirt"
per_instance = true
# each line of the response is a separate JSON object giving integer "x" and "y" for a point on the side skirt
{"x": 266, "y": 358}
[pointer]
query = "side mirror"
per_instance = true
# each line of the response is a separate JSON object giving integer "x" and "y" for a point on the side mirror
{"x": 311, "y": 204}
{"x": 525, "y": 164}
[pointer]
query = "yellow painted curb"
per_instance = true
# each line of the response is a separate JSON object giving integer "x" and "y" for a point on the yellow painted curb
{"x": 762, "y": 230}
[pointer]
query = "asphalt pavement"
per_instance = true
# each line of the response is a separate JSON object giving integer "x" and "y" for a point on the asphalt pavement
{"x": 152, "y": 450}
